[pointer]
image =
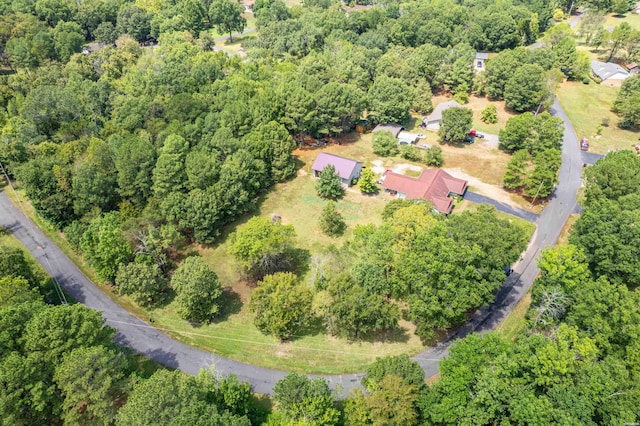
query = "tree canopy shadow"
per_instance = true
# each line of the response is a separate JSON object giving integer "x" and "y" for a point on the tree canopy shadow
{"x": 393, "y": 335}
{"x": 230, "y": 304}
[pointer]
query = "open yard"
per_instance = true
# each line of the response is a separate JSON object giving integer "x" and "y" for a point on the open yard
{"x": 477, "y": 104}
{"x": 295, "y": 201}
{"x": 587, "y": 105}
{"x": 632, "y": 19}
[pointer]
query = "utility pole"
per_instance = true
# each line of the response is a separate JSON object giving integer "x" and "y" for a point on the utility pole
{"x": 536, "y": 196}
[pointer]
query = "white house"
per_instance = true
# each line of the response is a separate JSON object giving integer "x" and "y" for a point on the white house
{"x": 609, "y": 73}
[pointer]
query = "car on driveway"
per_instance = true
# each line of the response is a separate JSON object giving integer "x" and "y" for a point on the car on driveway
{"x": 584, "y": 144}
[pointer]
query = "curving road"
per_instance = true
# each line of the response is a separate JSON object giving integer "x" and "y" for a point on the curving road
{"x": 147, "y": 340}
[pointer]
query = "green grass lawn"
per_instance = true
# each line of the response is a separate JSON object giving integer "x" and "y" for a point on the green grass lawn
{"x": 587, "y": 105}
{"x": 514, "y": 323}
{"x": 632, "y": 18}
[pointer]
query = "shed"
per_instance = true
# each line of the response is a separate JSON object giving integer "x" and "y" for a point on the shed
{"x": 346, "y": 168}
{"x": 633, "y": 68}
{"x": 393, "y": 128}
{"x": 480, "y": 61}
{"x": 609, "y": 73}
{"x": 432, "y": 122}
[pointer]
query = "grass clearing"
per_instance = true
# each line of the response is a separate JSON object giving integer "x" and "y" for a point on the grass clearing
{"x": 477, "y": 104}
{"x": 586, "y": 106}
{"x": 514, "y": 323}
{"x": 632, "y": 19}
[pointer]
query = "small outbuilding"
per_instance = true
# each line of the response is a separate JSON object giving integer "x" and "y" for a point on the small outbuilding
{"x": 393, "y": 128}
{"x": 346, "y": 168}
{"x": 480, "y": 61}
{"x": 633, "y": 68}
{"x": 609, "y": 73}
{"x": 432, "y": 122}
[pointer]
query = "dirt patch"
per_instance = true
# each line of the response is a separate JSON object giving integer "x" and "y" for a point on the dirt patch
{"x": 401, "y": 168}
{"x": 491, "y": 191}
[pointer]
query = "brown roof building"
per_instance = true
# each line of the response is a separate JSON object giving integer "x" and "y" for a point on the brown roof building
{"x": 434, "y": 185}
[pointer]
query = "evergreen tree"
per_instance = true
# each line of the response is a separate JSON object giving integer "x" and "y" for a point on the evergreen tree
{"x": 329, "y": 185}
{"x": 331, "y": 221}
{"x": 516, "y": 173}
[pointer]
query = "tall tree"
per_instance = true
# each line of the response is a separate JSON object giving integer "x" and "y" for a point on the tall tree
{"x": 90, "y": 379}
{"x": 169, "y": 175}
{"x": 144, "y": 282}
{"x": 526, "y": 90}
{"x": 305, "y": 400}
{"x": 197, "y": 290}
{"x": 104, "y": 245}
{"x": 455, "y": 124}
{"x": 227, "y": 16}
{"x": 331, "y": 221}
{"x": 282, "y": 306}
{"x": 263, "y": 247}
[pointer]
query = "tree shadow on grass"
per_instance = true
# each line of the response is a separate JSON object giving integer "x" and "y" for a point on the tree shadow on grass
{"x": 394, "y": 335}
{"x": 230, "y": 303}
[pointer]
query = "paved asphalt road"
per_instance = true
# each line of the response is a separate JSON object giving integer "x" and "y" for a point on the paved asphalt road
{"x": 151, "y": 342}
{"x": 506, "y": 208}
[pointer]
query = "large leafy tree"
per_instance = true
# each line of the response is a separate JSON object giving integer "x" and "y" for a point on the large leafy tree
{"x": 390, "y": 99}
{"x": 281, "y": 305}
{"x": 90, "y": 380}
{"x": 305, "y": 400}
{"x": 626, "y": 103}
{"x": 533, "y": 133}
{"x": 526, "y": 89}
{"x": 613, "y": 177}
{"x": 226, "y": 15}
{"x": 263, "y": 247}
{"x": 94, "y": 179}
{"x": 135, "y": 161}
{"x": 197, "y": 290}
{"x": 385, "y": 144}
{"x": 172, "y": 398}
{"x": 133, "y": 21}
{"x": 104, "y": 245}
{"x": 455, "y": 124}
{"x": 57, "y": 330}
{"x": 144, "y": 282}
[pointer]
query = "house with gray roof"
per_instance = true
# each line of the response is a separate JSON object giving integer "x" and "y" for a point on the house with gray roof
{"x": 432, "y": 122}
{"x": 393, "y": 128}
{"x": 346, "y": 168}
{"x": 480, "y": 61}
{"x": 609, "y": 73}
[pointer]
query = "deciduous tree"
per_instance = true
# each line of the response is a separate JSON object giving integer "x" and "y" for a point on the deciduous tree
{"x": 281, "y": 305}
{"x": 455, "y": 124}
{"x": 197, "y": 290}
{"x": 367, "y": 182}
{"x": 144, "y": 282}
{"x": 263, "y": 247}
{"x": 227, "y": 16}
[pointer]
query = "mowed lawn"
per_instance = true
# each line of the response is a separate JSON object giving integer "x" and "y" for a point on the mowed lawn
{"x": 586, "y": 106}
{"x": 477, "y": 104}
{"x": 632, "y": 19}
{"x": 236, "y": 337}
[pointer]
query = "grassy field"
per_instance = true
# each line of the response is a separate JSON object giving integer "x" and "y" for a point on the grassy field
{"x": 632, "y": 18}
{"x": 477, "y": 104}
{"x": 587, "y": 105}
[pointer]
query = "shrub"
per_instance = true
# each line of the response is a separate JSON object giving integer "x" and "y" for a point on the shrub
{"x": 433, "y": 156}
{"x": 586, "y": 80}
{"x": 490, "y": 114}
{"x": 385, "y": 144}
{"x": 410, "y": 153}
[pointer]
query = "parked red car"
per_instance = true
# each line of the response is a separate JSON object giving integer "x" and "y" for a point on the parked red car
{"x": 584, "y": 144}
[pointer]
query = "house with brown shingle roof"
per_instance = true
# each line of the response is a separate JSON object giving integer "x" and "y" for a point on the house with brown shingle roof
{"x": 434, "y": 185}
